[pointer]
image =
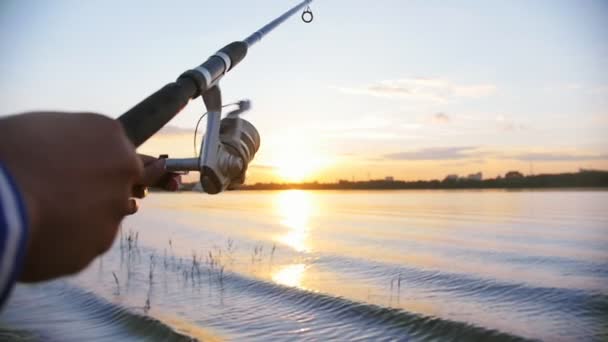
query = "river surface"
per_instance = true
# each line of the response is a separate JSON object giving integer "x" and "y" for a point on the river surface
{"x": 339, "y": 265}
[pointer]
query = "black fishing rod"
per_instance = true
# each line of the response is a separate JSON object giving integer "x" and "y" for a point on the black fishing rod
{"x": 230, "y": 143}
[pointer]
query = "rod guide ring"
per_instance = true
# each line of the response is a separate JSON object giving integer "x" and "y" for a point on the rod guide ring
{"x": 307, "y": 15}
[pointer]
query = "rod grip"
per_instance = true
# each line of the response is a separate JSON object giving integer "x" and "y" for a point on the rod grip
{"x": 236, "y": 51}
{"x": 150, "y": 115}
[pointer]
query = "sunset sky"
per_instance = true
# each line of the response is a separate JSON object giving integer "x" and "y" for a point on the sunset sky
{"x": 410, "y": 89}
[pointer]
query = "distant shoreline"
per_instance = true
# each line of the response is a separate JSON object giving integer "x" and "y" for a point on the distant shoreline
{"x": 580, "y": 180}
{"x": 563, "y": 188}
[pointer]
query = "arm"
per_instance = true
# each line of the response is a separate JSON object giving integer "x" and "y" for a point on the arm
{"x": 13, "y": 233}
{"x": 74, "y": 174}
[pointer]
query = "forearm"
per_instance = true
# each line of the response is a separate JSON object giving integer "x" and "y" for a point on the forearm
{"x": 70, "y": 185}
{"x": 13, "y": 233}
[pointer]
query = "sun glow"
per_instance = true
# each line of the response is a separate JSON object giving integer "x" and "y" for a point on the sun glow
{"x": 297, "y": 161}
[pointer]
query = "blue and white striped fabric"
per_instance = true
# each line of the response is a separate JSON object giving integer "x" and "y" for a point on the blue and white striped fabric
{"x": 13, "y": 233}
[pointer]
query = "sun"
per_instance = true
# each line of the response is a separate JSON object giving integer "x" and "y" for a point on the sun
{"x": 297, "y": 162}
{"x": 294, "y": 168}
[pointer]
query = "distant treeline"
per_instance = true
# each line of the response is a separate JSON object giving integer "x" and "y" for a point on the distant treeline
{"x": 584, "y": 179}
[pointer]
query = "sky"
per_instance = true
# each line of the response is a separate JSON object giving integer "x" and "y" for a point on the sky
{"x": 409, "y": 89}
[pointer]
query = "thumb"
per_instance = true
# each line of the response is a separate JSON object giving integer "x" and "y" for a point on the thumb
{"x": 153, "y": 172}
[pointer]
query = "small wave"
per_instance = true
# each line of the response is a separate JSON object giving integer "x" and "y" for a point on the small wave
{"x": 373, "y": 321}
{"x": 578, "y": 301}
{"x": 61, "y": 312}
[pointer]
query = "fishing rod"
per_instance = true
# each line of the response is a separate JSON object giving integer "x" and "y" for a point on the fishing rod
{"x": 229, "y": 144}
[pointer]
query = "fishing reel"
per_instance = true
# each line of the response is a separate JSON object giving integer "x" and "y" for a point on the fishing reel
{"x": 228, "y": 146}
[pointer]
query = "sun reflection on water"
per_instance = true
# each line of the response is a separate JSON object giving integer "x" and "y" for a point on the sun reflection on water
{"x": 290, "y": 275}
{"x": 295, "y": 209}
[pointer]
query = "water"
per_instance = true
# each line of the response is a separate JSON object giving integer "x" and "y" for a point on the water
{"x": 378, "y": 265}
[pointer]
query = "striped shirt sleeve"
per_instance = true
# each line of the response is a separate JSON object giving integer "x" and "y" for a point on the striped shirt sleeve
{"x": 13, "y": 233}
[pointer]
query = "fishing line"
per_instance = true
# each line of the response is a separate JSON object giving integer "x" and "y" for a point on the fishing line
{"x": 196, "y": 131}
{"x": 199, "y": 122}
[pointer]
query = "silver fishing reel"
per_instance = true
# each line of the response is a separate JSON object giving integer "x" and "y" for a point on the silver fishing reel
{"x": 229, "y": 145}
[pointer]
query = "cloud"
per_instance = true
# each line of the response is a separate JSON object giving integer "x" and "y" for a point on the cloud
{"x": 600, "y": 90}
{"x": 474, "y": 91}
{"x": 440, "y": 118}
{"x": 600, "y": 119}
{"x": 377, "y": 121}
{"x": 436, "y": 153}
{"x": 376, "y": 127}
{"x": 478, "y": 154}
{"x": 552, "y": 156}
{"x": 369, "y": 135}
{"x": 410, "y": 126}
{"x": 461, "y": 163}
{"x": 423, "y": 89}
{"x": 509, "y": 125}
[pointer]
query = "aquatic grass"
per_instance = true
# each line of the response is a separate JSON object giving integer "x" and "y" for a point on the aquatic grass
{"x": 393, "y": 288}
{"x": 399, "y": 283}
{"x": 257, "y": 253}
{"x": 195, "y": 265}
{"x": 216, "y": 265}
{"x": 121, "y": 238}
{"x": 274, "y": 248}
{"x": 152, "y": 266}
{"x": 213, "y": 263}
{"x": 231, "y": 249}
{"x": 165, "y": 258}
{"x": 131, "y": 240}
{"x": 117, "y": 284}
{"x": 221, "y": 275}
{"x": 147, "y": 305}
{"x": 230, "y": 245}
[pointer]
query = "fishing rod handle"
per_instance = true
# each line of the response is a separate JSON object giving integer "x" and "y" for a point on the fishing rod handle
{"x": 149, "y": 116}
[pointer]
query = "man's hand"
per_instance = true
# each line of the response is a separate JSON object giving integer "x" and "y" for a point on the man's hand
{"x": 76, "y": 173}
{"x": 155, "y": 175}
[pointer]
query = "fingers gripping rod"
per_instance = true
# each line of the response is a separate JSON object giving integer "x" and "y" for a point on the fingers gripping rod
{"x": 149, "y": 116}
